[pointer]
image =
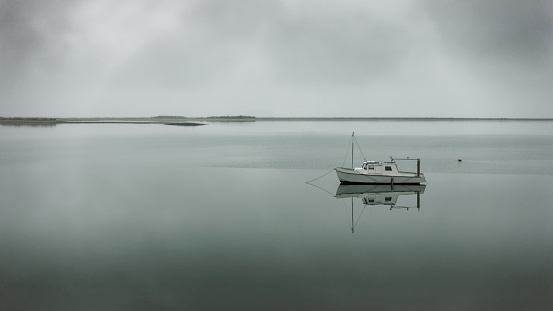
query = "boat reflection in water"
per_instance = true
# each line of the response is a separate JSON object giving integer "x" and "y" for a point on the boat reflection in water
{"x": 373, "y": 195}
{"x": 380, "y": 194}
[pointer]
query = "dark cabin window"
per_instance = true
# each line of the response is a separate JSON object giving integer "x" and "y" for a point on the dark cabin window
{"x": 388, "y": 199}
{"x": 388, "y": 168}
{"x": 371, "y": 167}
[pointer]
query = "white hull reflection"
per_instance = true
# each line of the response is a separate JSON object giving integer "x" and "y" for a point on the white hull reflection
{"x": 380, "y": 194}
{"x": 347, "y": 191}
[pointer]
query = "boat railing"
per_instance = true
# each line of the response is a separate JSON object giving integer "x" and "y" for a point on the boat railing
{"x": 410, "y": 159}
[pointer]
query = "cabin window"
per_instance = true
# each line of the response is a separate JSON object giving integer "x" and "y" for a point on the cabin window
{"x": 388, "y": 168}
{"x": 371, "y": 167}
{"x": 388, "y": 199}
{"x": 371, "y": 200}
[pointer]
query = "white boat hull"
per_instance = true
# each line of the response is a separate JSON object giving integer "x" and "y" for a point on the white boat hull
{"x": 350, "y": 176}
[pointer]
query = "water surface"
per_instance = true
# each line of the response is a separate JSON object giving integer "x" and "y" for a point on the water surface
{"x": 153, "y": 217}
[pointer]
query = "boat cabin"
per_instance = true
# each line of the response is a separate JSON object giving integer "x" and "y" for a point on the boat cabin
{"x": 376, "y": 167}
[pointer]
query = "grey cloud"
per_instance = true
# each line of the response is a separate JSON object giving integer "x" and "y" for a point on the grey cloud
{"x": 506, "y": 46}
{"x": 18, "y": 38}
{"x": 210, "y": 38}
{"x": 292, "y": 58}
{"x": 31, "y": 41}
{"x": 234, "y": 20}
{"x": 165, "y": 64}
{"x": 31, "y": 29}
{"x": 352, "y": 48}
{"x": 496, "y": 29}
{"x": 314, "y": 49}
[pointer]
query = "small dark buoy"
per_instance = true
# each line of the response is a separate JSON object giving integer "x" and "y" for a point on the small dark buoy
{"x": 460, "y": 160}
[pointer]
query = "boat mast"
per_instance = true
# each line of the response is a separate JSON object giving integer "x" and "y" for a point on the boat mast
{"x": 352, "y": 133}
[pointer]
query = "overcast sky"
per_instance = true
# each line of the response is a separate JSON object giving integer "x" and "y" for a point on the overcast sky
{"x": 436, "y": 58}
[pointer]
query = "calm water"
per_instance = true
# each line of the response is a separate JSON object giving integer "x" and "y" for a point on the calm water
{"x": 153, "y": 217}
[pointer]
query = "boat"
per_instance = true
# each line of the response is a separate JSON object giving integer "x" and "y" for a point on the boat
{"x": 379, "y": 172}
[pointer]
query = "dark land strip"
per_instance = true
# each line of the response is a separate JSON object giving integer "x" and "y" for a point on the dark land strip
{"x": 195, "y": 121}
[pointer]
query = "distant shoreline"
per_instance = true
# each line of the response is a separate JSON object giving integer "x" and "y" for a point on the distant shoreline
{"x": 397, "y": 119}
{"x": 194, "y": 121}
{"x": 55, "y": 121}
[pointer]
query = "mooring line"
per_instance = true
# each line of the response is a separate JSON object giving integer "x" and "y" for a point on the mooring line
{"x": 323, "y": 189}
{"x": 308, "y": 182}
{"x": 312, "y": 184}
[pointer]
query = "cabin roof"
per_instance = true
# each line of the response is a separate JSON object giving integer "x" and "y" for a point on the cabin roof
{"x": 378, "y": 162}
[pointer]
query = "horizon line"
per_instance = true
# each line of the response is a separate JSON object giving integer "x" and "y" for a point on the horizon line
{"x": 246, "y": 117}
